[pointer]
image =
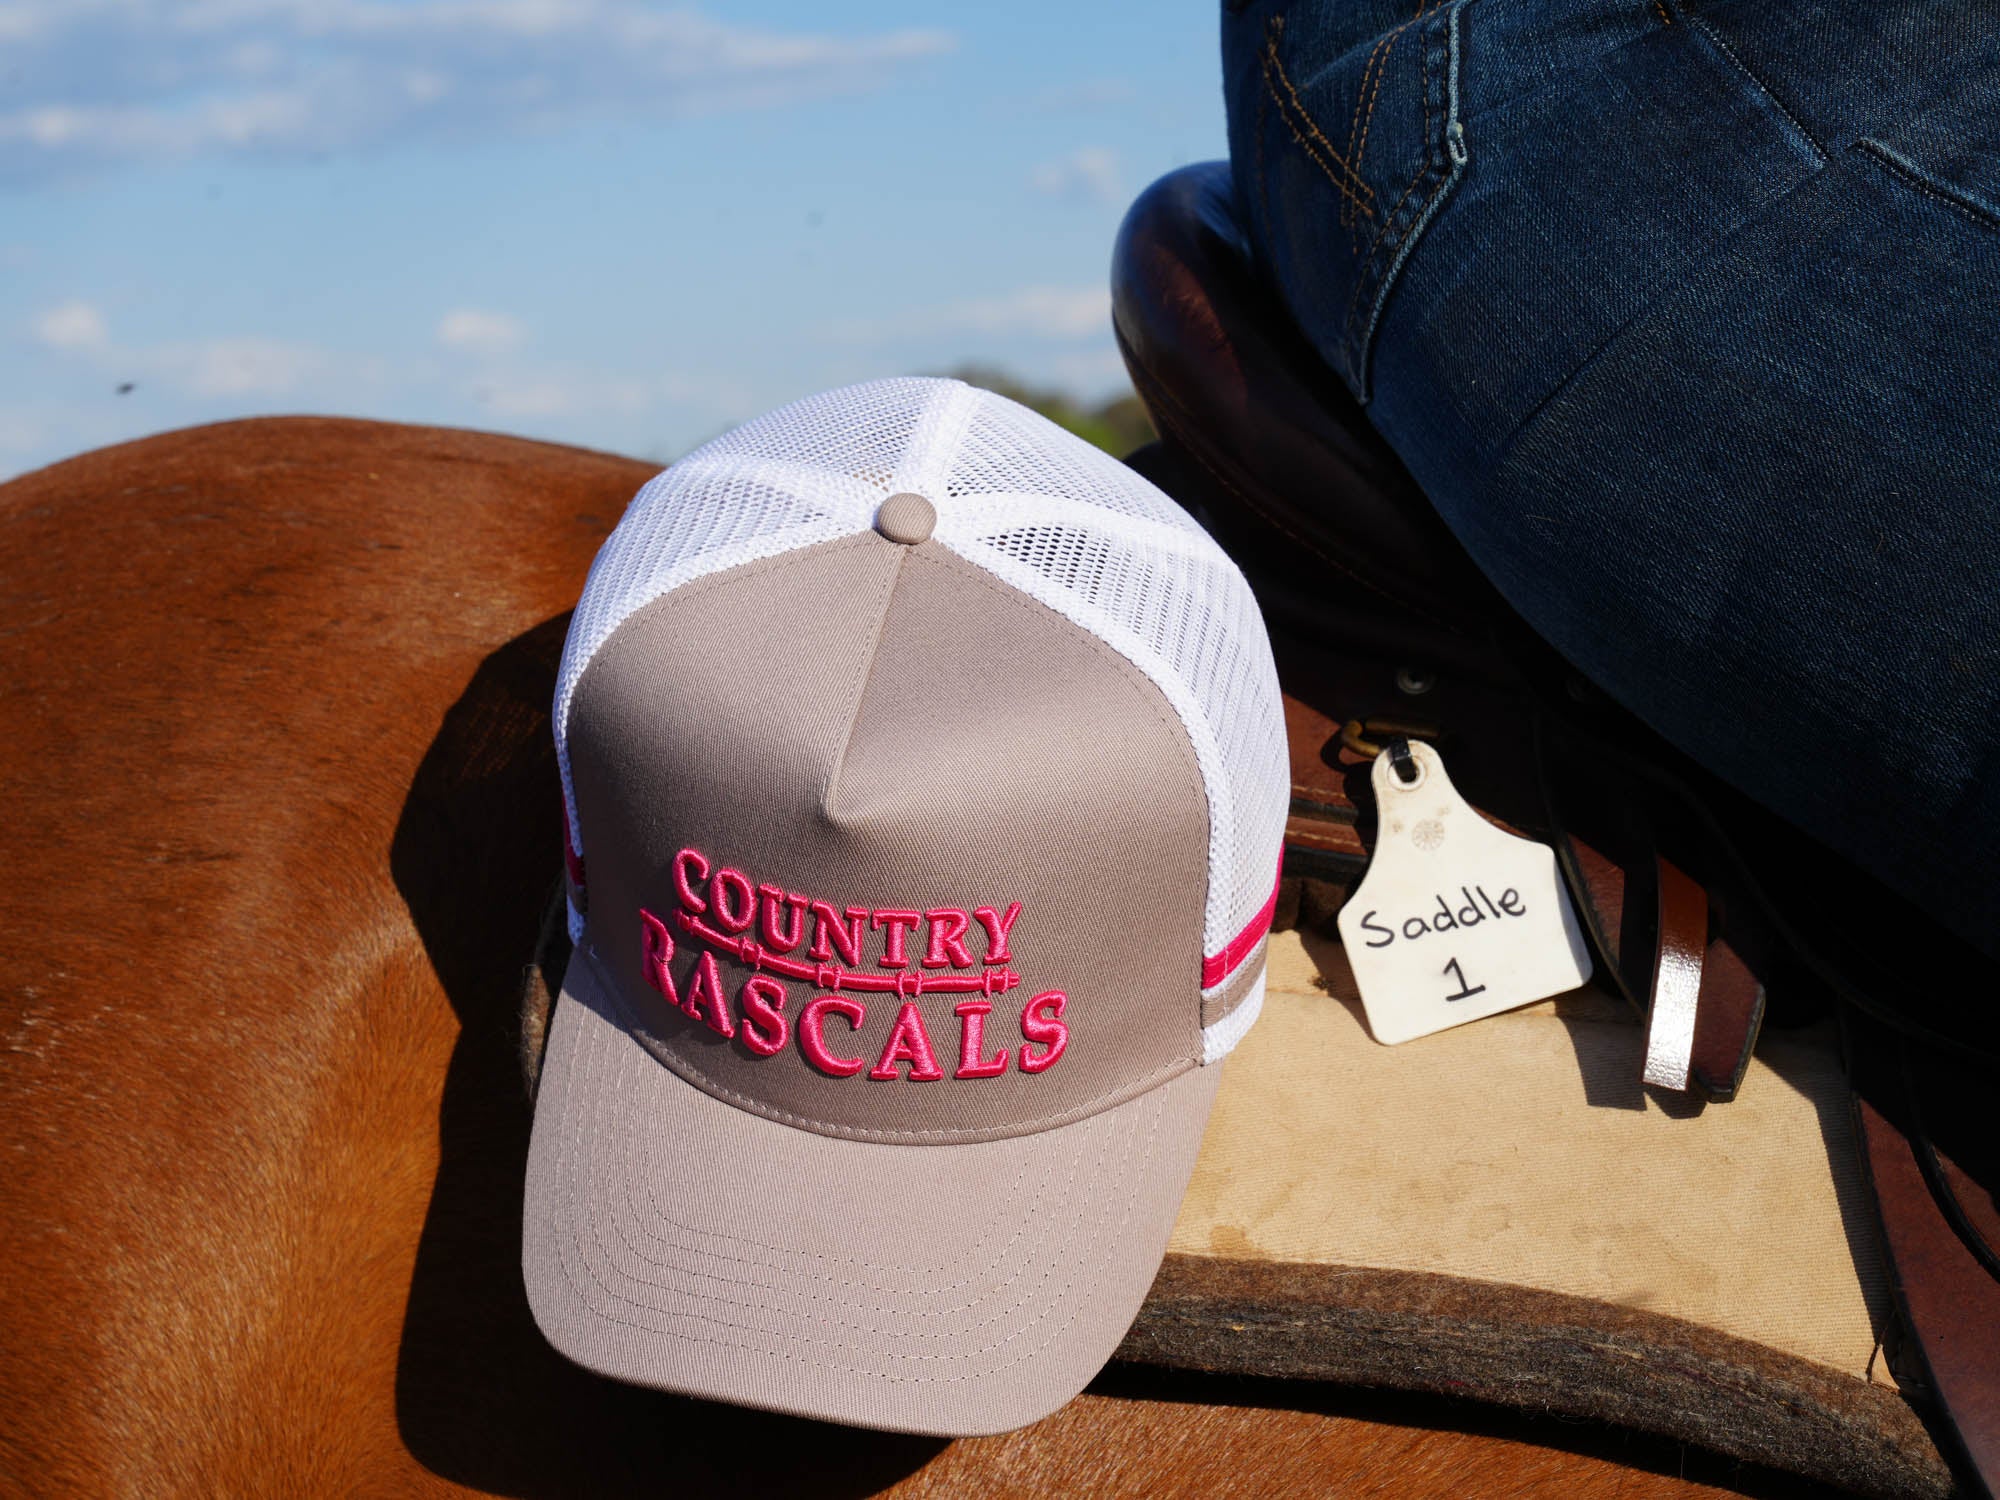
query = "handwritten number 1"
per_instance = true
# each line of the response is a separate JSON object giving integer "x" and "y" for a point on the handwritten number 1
{"x": 1465, "y": 991}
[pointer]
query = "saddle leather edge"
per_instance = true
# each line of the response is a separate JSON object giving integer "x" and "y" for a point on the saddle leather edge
{"x": 1542, "y": 1351}
{"x": 1948, "y": 1300}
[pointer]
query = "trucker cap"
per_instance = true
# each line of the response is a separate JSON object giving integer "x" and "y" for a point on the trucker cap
{"x": 925, "y": 775}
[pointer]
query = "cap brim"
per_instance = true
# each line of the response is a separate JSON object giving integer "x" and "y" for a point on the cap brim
{"x": 675, "y": 1241}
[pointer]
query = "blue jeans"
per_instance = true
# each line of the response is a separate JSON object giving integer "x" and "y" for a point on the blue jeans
{"x": 1686, "y": 316}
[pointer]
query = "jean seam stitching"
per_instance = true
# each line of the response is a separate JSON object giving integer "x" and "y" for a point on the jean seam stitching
{"x": 1363, "y": 273}
{"x": 1915, "y": 178}
{"x": 1396, "y": 250}
{"x": 1352, "y": 188}
{"x": 1454, "y": 132}
{"x": 1377, "y": 67}
{"x": 1761, "y": 86}
{"x": 1263, "y": 183}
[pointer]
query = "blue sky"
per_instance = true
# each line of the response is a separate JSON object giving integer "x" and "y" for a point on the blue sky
{"x": 609, "y": 222}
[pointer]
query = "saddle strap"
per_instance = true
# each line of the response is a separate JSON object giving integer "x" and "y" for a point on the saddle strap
{"x": 1675, "y": 1001}
{"x": 1705, "y": 1007}
{"x": 1657, "y": 929}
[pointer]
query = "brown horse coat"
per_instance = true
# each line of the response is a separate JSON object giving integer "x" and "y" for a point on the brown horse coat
{"x": 280, "y": 815}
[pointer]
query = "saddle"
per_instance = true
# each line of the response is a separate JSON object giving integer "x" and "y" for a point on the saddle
{"x": 1707, "y": 914}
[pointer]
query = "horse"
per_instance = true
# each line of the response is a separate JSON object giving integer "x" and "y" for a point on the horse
{"x": 282, "y": 802}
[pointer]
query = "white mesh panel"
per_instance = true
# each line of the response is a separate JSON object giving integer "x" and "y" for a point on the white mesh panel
{"x": 1011, "y": 450}
{"x": 1116, "y": 556}
{"x": 1029, "y": 502}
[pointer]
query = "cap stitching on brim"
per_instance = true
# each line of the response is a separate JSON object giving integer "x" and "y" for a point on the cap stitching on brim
{"x": 568, "y": 1242}
{"x": 627, "y": 1061}
{"x": 1062, "y": 1298}
{"x": 653, "y": 1207}
{"x": 993, "y": 1293}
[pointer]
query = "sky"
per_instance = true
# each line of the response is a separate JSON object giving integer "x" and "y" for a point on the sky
{"x": 617, "y": 223}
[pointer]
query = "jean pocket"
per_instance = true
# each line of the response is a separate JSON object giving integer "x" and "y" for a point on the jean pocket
{"x": 1352, "y": 142}
{"x": 1936, "y": 187}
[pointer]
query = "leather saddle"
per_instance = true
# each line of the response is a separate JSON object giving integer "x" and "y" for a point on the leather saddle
{"x": 1691, "y": 895}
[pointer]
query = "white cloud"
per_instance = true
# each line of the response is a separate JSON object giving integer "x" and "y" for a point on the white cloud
{"x": 1090, "y": 174}
{"x": 560, "y": 391}
{"x": 95, "y": 82}
{"x": 1048, "y": 312}
{"x": 1039, "y": 312}
{"x": 236, "y": 366}
{"x": 225, "y": 373}
{"x": 477, "y": 331}
{"x": 201, "y": 367}
{"x": 73, "y": 325}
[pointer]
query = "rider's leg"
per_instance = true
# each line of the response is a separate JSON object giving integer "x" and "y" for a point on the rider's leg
{"x": 1687, "y": 324}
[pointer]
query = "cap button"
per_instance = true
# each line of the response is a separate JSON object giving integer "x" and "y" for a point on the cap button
{"x": 906, "y": 518}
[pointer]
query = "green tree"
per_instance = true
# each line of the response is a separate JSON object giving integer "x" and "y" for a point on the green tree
{"x": 1117, "y": 426}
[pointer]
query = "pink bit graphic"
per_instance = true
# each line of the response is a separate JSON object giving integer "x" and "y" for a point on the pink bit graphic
{"x": 910, "y": 982}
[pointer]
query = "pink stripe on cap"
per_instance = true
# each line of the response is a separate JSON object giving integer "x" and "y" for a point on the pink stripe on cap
{"x": 1219, "y": 967}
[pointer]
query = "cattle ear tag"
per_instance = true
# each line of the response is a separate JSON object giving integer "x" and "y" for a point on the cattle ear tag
{"x": 1455, "y": 918}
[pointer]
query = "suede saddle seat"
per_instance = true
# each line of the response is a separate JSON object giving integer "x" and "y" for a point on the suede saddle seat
{"x": 1384, "y": 627}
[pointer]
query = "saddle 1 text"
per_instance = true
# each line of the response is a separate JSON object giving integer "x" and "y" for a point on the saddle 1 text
{"x": 1476, "y": 907}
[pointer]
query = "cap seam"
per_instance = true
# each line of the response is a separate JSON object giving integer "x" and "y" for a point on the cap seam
{"x": 563, "y": 708}
{"x": 1127, "y": 669}
{"x": 1220, "y": 1039}
{"x": 1162, "y": 705}
{"x": 1150, "y": 692}
{"x": 692, "y": 588}
{"x": 952, "y": 409}
{"x": 1128, "y": 644}
{"x": 1187, "y": 542}
{"x": 1239, "y": 980}
{"x": 863, "y": 675}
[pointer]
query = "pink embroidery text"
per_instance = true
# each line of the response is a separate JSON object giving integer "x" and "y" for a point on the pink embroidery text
{"x": 780, "y": 935}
